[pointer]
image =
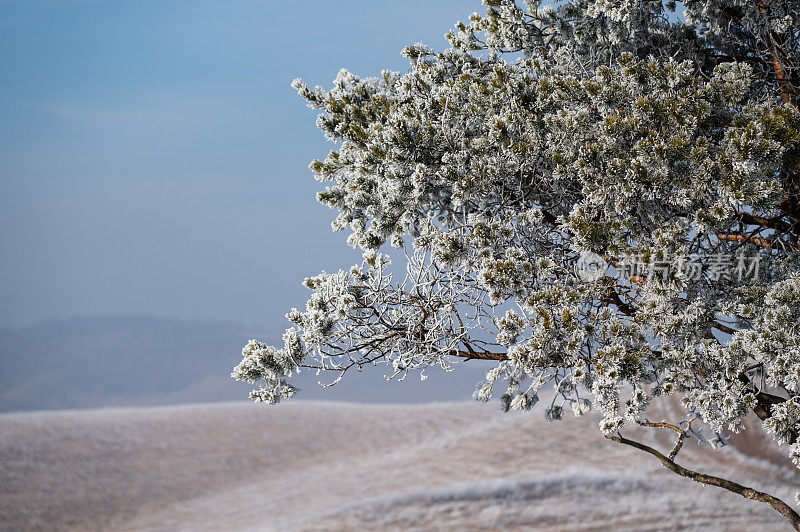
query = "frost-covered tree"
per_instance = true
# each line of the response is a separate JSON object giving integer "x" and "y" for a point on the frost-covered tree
{"x": 602, "y": 196}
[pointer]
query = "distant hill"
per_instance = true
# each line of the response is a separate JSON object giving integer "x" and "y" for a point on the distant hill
{"x": 145, "y": 360}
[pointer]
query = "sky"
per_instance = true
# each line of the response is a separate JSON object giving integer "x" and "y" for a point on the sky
{"x": 154, "y": 160}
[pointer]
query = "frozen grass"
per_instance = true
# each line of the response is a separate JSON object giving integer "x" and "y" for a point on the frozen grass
{"x": 322, "y": 466}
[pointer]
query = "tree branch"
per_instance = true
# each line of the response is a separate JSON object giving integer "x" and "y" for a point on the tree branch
{"x": 786, "y": 89}
{"x": 664, "y": 425}
{"x": 771, "y": 223}
{"x": 777, "y": 504}
{"x": 755, "y": 240}
{"x": 479, "y": 355}
{"x": 764, "y": 404}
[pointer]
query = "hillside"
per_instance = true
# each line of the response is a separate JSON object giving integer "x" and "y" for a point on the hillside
{"x": 131, "y": 360}
{"x": 146, "y": 361}
{"x": 334, "y": 466}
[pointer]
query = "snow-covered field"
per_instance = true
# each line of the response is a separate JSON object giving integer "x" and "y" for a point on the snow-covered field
{"x": 329, "y": 466}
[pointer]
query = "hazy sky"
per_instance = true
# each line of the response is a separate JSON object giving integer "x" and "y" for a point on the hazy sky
{"x": 153, "y": 158}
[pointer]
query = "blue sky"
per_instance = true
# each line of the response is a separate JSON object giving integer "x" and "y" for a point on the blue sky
{"x": 153, "y": 158}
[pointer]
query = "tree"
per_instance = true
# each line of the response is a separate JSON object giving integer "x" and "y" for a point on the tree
{"x": 602, "y": 196}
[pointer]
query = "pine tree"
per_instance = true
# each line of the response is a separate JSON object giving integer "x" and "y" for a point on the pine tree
{"x": 602, "y": 196}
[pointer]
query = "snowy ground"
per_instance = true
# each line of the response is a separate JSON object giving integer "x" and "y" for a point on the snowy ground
{"x": 324, "y": 466}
